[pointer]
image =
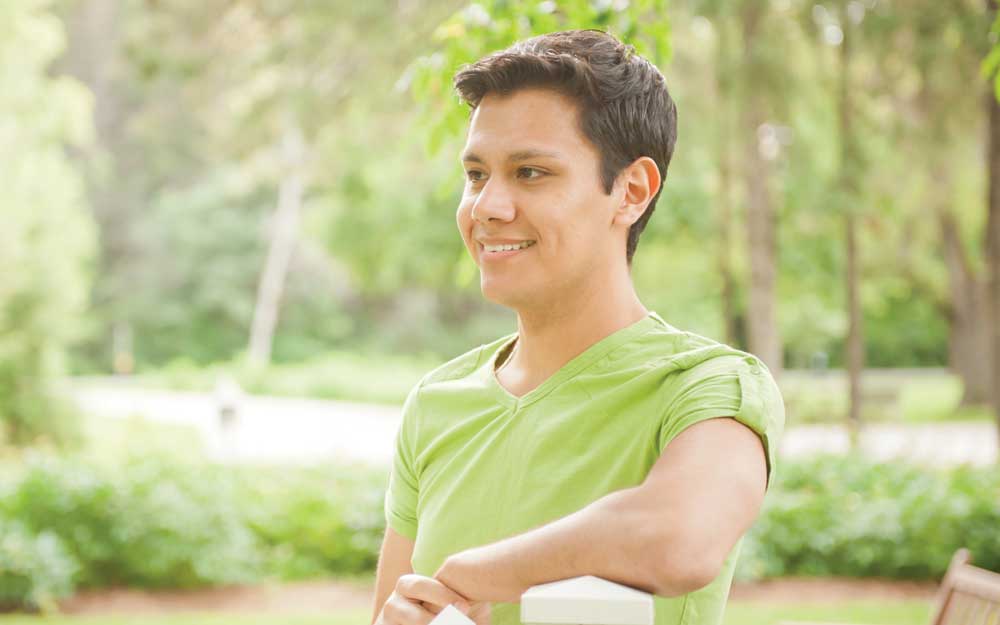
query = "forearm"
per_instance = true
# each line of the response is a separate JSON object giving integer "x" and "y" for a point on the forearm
{"x": 616, "y": 537}
{"x": 621, "y": 537}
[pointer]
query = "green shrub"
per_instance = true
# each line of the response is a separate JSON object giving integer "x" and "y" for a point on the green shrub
{"x": 35, "y": 569}
{"x": 156, "y": 523}
{"x": 318, "y": 521}
{"x": 148, "y": 523}
{"x": 846, "y": 516}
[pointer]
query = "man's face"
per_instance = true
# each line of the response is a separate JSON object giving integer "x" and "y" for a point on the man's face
{"x": 533, "y": 181}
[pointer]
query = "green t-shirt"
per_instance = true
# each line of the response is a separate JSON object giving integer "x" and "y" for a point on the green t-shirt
{"x": 475, "y": 464}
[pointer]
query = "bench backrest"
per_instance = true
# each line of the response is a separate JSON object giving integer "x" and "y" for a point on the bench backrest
{"x": 968, "y": 594}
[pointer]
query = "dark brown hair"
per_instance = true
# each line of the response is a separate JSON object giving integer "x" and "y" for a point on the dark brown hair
{"x": 624, "y": 106}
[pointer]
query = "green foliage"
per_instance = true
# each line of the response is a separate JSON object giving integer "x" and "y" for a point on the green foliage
{"x": 846, "y": 516}
{"x": 203, "y": 93}
{"x": 491, "y": 25}
{"x": 155, "y": 523}
{"x": 200, "y": 97}
{"x": 148, "y": 523}
{"x": 35, "y": 569}
{"x": 47, "y": 236}
{"x": 317, "y": 521}
{"x": 392, "y": 239}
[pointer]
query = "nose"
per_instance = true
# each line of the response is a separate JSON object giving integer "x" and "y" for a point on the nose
{"x": 493, "y": 202}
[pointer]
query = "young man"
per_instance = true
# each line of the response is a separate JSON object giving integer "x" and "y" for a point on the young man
{"x": 598, "y": 439}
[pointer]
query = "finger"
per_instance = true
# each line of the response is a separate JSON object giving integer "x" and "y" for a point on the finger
{"x": 399, "y": 610}
{"x": 430, "y": 590}
{"x": 430, "y": 607}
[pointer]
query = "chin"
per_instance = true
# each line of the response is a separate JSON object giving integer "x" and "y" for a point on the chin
{"x": 507, "y": 293}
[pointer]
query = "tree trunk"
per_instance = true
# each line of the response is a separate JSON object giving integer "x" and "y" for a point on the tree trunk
{"x": 855, "y": 330}
{"x": 969, "y": 332}
{"x": 284, "y": 232}
{"x": 724, "y": 95}
{"x": 94, "y": 56}
{"x": 762, "y": 324}
{"x": 855, "y": 350}
{"x": 730, "y": 309}
{"x": 970, "y": 336}
{"x": 993, "y": 238}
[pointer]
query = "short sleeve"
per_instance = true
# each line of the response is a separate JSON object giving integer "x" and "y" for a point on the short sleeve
{"x": 737, "y": 386}
{"x": 401, "y": 496}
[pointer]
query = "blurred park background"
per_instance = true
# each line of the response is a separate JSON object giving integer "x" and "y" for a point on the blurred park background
{"x": 228, "y": 251}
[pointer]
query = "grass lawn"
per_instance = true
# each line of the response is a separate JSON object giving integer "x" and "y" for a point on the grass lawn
{"x": 381, "y": 379}
{"x": 889, "y": 395}
{"x": 356, "y": 617}
{"x": 872, "y": 612}
{"x": 738, "y": 613}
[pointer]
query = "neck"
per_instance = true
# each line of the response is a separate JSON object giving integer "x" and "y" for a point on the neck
{"x": 551, "y": 336}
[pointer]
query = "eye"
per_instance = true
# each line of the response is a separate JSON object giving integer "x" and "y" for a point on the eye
{"x": 474, "y": 175}
{"x": 529, "y": 173}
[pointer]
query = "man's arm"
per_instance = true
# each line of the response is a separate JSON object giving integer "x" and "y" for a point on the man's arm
{"x": 393, "y": 563}
{"x": 669, "y": 536}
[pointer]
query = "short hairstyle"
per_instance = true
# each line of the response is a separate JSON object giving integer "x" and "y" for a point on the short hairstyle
{"x": 624, "y": 106}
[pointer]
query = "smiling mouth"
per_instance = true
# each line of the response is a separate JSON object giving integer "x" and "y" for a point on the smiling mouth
{"x": 509, "y": 247}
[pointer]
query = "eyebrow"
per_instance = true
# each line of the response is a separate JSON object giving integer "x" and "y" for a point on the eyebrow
{"x": 520, "y": 155}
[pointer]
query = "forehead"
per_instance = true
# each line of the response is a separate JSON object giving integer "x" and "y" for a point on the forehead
{"x": 527, "y": 120}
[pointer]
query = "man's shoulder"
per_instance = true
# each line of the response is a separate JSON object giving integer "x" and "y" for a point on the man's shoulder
{"x": 463, "y": 365}
{"x": 682, "y": 350}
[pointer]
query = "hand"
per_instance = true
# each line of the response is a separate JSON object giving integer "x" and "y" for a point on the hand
{"x": 416, "y": 600}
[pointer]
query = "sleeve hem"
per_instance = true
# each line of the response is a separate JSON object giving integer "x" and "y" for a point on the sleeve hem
{"x": 752, "y": 403}
{"x": 401, "y": 527}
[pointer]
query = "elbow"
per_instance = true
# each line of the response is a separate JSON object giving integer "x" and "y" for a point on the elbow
{"x": 683, "y": 579}
{"x": 680, "y": 571}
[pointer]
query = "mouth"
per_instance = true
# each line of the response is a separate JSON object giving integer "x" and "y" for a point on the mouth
{"x": 506, "y": 250}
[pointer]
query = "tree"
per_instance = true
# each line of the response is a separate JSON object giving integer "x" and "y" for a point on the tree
{"x": 47, "y": 236}
{"x": 194, "y": 103}
{"x": 94, "y": 36}
{"x": 943, "y": 41}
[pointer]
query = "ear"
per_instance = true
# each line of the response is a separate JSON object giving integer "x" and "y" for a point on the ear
{"x": 639, "y": 183}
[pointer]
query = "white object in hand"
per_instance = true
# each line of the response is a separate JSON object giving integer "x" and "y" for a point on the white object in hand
{"x": 451, "y": 616}
{"x": 586, "y": 600}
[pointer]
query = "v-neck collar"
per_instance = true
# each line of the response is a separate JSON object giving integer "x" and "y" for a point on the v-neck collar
{"x": 589, "y": 356}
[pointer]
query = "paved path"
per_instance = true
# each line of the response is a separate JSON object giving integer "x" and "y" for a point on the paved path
{"x": 268, "y": 429}
{"x": 273, "y": 429}
{"x": 938, "y": 444}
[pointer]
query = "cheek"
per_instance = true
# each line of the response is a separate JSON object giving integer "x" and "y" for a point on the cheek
{"x": 463, "y": 219}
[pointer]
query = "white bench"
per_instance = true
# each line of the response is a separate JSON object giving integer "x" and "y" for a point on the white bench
{"x": 584, "y": 600}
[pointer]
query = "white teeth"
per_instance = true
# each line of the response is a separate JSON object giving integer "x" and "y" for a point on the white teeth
{"x": 508, "y": 247}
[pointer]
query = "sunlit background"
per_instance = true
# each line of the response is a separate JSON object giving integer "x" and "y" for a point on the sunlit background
{"x": 228, "y": 250}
